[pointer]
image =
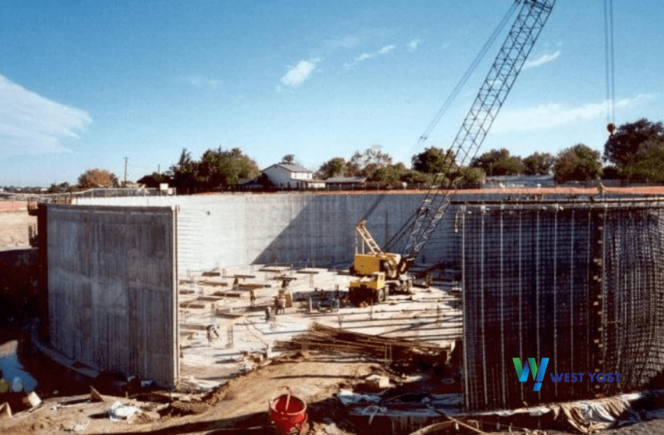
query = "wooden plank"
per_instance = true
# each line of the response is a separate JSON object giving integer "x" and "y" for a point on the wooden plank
{"x": 212, "y": 273}
{"x": 229, "y": 294}
{"x": 210, "y": 298}
{"x": 214, "y": 284}
{"x": 250, "y": 286}
{"x": 274, "y": 269}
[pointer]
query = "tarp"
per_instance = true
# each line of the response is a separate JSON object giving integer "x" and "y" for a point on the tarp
{"x": 593, "y": 415}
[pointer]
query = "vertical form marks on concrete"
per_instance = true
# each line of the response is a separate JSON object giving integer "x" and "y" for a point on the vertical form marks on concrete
{"x": 286, "y": 228}
{"x": 112, "y": 288}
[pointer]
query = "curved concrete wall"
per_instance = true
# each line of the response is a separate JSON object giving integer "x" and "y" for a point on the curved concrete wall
{"x": 294, "y": 228}
{"x": 318, "y": 229}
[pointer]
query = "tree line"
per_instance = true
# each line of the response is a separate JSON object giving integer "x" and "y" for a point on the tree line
{"x": 431, "y": 165}
{"x": 635, "y": 152}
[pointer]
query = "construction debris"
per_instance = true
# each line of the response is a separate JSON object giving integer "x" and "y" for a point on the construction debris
{"x": 32, "y": 400}
{"x": 592, "y": 416}
{"x": 377, "y": 382}
{"x": 120, "y": 411}
{"x": 5, "y": 411}
{"x": 95, "y": 396}
{"x": 402, "y": 352}
{"x": 348, "y": 398}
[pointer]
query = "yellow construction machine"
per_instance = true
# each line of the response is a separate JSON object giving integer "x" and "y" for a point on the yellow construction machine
{"x": 379, "y": 273}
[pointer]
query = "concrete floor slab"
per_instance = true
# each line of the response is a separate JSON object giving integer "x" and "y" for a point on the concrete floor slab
{"x": 244, "y": 338}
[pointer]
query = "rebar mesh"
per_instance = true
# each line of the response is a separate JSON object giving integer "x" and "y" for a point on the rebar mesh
{"x": 576, "y": 282}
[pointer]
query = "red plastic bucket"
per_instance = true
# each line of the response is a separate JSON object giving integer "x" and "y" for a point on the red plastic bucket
{"x": 288, "y": 412}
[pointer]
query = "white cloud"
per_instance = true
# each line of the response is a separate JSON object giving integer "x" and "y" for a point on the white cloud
{"x": 543, "y": 59}
{"x": 202, "y": 82}
{"x": 366, "y": 56}
{"x": 347, "y": 42}
{"x": 299, "y": 73}
{"x": 548, "y": 116}
{"x": 359, "y": 59}
{"x": 412, "y": 45}
{"x": 32, "y": 124}
{"x": 387, "y": 49}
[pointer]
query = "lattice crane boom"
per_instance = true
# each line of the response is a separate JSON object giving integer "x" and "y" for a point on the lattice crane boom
{"x": 505, "y": 69}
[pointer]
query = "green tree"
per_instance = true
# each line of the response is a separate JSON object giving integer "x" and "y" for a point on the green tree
{"x": 336, "y": 167}
{"x": 611, "y": 173}
{"x": 578, "y": 163}
{"x": 364, "y": 164}
{"x": 288, "y": 159}
{"x": 389, "y": 174}
{"x": 622, "y": 148}
{"x": 648, "y": 163}
{"x": 154, "y": 180}
{"x": 471, "y": 176}
{"x": 97, "y": 178}
{"x": 217, "y": 170}
{"x": 185, "y": 173}
{"x": 498, "y": 162}
{"x": 433, "y": 161}
{"x": 417, "y": 177}
{"x": 538, "y": 164}
{"x": 221, "y": 169}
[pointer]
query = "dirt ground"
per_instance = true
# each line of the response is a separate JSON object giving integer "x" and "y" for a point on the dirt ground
{"x": 14, "y": 228}
{"x": 238, "y": 407}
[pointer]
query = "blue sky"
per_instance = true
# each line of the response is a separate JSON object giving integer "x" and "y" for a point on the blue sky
{"x": 87, "y": 83}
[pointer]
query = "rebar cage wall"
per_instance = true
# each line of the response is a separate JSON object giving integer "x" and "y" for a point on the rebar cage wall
{"x": 576, "y": 282}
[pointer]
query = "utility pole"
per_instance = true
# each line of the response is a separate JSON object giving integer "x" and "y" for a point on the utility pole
{"x": 125, "y": 178}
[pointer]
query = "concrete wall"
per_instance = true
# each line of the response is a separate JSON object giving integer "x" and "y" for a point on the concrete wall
{"x": 294, "y": 228}
{"x": 112, "y": 288}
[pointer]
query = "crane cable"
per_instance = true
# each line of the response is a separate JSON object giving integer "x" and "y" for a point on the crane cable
{"x": 448, "y": 102}
{"x": 609, "y": 66}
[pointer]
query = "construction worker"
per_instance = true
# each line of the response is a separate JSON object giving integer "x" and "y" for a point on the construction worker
{"x": 212, "y": 333}
{"x": 267, "y": 314}
{"x": 252, "y": 297}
